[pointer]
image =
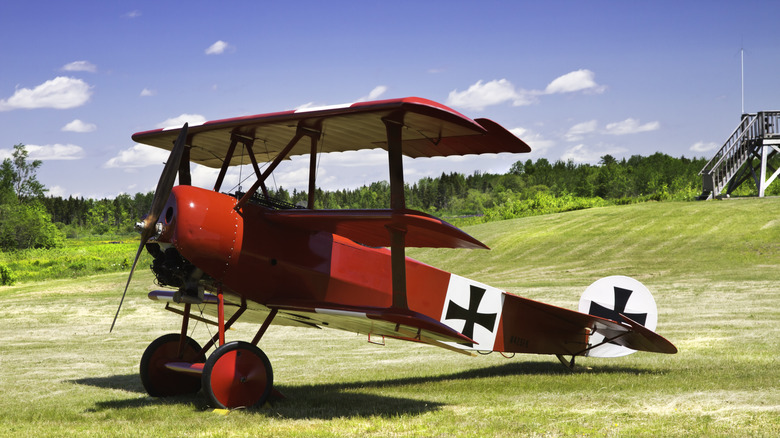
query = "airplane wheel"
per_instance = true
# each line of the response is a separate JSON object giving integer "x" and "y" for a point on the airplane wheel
{"x": 158, "y": 380}
{"x": 237, "y": 374}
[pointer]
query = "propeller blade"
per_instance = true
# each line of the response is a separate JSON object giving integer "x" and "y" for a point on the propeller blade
{"x": 161, "y": 194}
{"x": 167, "y": 178}
{"x": 129, "y": 277}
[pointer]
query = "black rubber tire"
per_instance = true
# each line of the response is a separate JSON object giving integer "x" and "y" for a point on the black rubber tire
{"x": 158, "y": 380}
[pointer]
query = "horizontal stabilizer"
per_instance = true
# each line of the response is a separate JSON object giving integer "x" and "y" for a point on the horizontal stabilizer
{"x": 643, "y": 339}
{"x": 371, "y": 227}
{"x": 558, "y": 328}
{"x": 629, "y": 302}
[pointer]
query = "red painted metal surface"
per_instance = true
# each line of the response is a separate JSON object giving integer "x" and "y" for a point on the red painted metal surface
{"x": 267, "y": 261}
{"x": 258, "y": 255}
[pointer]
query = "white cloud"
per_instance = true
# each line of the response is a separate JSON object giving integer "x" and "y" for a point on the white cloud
{"x": 146, "y": 92}
{"x": 579, "y": 80}
{"x": 58, "y": 191}
{"x": 704, "y": 146}
{"x": 631, "y": 126}
{"x": 298, "y": 177}
{"x": 483, "y": 94}
{"x": 59, "y": 93}
{"x": 49, "y": 152}
{"x": 576, "y": 132}
{"x": 133, "y": 14}
{"x": 137, "y": 156}
{"x": 352, "y": 159}
{"x": 584, "y": 154}
{"x": 218, "y": 48}
{"x": 79, "y": 126}
{"x": 539, "y": 145}
{"x": 374, "y": 94}
{"x": 179, "y": 121}
{"x": 80, "y": 66}
{"x": 205, "y": 177}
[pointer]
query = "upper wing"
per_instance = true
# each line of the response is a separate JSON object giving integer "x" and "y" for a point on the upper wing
{"x": 371, "y": 227}
{"x": 431, "y": 130}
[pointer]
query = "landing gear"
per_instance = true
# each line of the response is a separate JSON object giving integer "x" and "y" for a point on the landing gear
{"x": 161, "y": 381}
{"x": 237, "y": 374}
{"x": 566, "y": 363}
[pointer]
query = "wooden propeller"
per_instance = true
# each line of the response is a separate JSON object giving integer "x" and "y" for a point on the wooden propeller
{"x": 148, "y": 225}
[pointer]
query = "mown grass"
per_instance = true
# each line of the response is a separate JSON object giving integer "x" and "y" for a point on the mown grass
{"x": 714, "y": 269}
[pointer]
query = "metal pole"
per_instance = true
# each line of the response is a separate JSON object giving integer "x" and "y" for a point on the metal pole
{"x": 742, "y": 64}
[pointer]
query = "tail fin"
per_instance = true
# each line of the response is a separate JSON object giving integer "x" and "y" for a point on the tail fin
{"x": 611, "y": 297}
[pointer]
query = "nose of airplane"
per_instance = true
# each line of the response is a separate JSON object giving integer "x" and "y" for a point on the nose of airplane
{"x": 204, "y": 227}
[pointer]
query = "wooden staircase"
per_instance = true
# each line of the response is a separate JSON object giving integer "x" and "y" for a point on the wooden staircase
{"x": 747, "y": 153}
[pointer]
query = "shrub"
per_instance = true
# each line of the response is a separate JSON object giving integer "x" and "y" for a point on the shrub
{"x": 27, "y": 226}
{"x": 7, "y": 276}
{"x": 540, "y": 203}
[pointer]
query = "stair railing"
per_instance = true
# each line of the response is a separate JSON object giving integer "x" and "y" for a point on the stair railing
{"x": 727, "y": 161}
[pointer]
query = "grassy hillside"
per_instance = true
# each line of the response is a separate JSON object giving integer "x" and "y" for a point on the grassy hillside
{"x": 711, "y": 240}
{"x": 713, "y": 267}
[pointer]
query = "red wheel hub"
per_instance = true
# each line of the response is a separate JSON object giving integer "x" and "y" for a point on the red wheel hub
{"x": 238, "y": 374}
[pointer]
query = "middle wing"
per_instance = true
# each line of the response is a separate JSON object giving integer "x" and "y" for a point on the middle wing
{"x": 371, "y": 227}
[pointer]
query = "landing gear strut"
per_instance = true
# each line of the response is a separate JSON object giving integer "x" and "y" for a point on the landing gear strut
{"x": 237, "y": 374}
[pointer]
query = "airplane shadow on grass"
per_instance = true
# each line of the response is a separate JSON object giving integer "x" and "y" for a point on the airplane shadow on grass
{"x": 349, "y": 399}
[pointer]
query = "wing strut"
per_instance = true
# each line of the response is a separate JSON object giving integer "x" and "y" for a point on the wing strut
{"x": 394, "y": 126}
{"x": 229, "y": 156}
{"x": 301, "y": 132}
{"x": 248, "y": 144}
{"x": 312, "y": 172}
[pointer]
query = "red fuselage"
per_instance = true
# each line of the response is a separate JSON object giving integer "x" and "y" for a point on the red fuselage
{"x": 265, "y": 261}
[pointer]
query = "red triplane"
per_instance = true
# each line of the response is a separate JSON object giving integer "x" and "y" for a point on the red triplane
{"x": 248, "y": 256}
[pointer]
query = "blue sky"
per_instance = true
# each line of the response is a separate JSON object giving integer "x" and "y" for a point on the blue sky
{"x": 576, "y": 80}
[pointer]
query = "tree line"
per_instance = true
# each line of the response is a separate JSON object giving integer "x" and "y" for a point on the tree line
{"x": 656, "y": 177}
{"x": 30, "y": 219}
{"x": 24, "y": 222}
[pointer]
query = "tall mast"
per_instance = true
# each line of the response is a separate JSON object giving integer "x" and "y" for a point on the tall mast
{"x": 742, "y": 65}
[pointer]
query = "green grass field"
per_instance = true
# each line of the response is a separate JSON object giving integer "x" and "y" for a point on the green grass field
{"x": 713, "y": 267}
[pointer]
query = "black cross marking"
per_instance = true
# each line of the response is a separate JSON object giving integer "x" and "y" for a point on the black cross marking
{"x": 621, "y": 299}
{"x": 471, "y": 315}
